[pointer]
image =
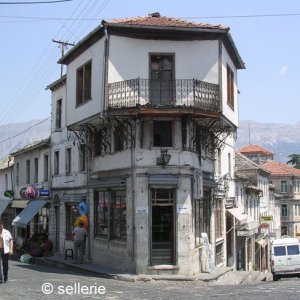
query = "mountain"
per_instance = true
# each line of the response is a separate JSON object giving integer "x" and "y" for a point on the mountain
{"x": 14, "y": 136}
{"x": 282, "y": 139}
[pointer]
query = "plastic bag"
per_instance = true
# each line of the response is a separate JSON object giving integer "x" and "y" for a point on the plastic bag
{"x": 26, "y": 258}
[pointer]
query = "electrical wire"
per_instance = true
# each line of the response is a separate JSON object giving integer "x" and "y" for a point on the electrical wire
{"x": 9, "y": 138}
{"x": 33, "y": 2}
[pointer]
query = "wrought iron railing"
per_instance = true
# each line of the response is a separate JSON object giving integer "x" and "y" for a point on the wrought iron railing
{"x": 168, "y": 93}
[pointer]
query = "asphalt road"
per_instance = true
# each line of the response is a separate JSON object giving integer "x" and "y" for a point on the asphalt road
{"x": 42, "y": 282}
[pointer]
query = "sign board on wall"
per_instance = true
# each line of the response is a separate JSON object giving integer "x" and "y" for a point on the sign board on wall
{"x": 198, "y": 184}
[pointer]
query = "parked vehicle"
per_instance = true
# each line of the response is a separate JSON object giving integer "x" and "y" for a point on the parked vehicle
{"x": 285, "y": 257}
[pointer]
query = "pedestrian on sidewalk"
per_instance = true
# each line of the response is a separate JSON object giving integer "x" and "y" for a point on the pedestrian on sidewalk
{"x": 6, "y": 249}
{"x": 79, "y": 235}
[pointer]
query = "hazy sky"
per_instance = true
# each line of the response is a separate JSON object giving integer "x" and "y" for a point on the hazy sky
{"x": 269, "y": 45}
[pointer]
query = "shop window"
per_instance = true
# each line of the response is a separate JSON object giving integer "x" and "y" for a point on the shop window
{"x": 72, "y": 213}
{"x": 110, "y": 214}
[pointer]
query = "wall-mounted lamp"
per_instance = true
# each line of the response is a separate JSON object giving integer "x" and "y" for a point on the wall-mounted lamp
{"x": 164, "y": 158}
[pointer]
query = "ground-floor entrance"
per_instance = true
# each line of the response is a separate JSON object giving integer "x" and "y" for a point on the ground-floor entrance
{"x": 162, "y": 226}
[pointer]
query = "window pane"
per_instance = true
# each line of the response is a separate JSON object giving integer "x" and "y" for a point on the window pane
{"x": 162, "y": 134}
{"x": 101, "y": 214}
{"x": 119, "y": 215}
{"x": 279, "y": 251}
{"x": 293, "y": 250}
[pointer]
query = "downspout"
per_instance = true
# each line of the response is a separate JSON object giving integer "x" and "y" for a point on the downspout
{"x": 105, "y": 73}
{"x": 133, "y": 180}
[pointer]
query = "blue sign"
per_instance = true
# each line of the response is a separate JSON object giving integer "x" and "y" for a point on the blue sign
{"x": 44, "y": 193}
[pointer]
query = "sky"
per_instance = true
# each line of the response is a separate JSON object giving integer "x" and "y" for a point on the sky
{"x": 266, "y": 34}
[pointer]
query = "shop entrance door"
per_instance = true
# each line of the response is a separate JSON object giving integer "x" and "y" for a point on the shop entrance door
{"x": 162, "y": 227}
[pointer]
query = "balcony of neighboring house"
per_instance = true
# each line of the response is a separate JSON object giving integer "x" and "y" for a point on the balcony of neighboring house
{"x": 163, "y": 97}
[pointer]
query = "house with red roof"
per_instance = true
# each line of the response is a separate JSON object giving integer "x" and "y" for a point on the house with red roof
{"x": 286, "y": 181}
{"x": 257, "y": 153}
{"x": 154, "y": 98}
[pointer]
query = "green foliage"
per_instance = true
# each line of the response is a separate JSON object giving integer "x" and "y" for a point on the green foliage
{"x": 294, "y": 160}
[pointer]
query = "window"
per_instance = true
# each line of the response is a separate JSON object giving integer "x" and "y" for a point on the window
{"x": 68, "y": 161}
{"x": 101, "y": 213}
{"x": 6, "y": 181}
{"x": 110, "y": 214}
{"x": 17, "y": 173}
{"x": 27, "y": 171}
{"x": 58, "y": 114}
{"x": 36, "y": 170}
{"x": 279, "y": 251}
{"x": 118, "y": 139}
{"x": 202, "y": 216}
{"x": 46, "y": 167}
{"x": 230, "y": 87}
{"x": 293, "y": 250}
{"x": 72, "y": 213}
{"x": 283, "y": 186}
{"x": 229, "y": 164}
{"x": 284, "y": 230}
{"x": 83, "y": 83}
{"x": 56, "y": 162}
{"x": 284, "y": 210}
{"x": 219, "y": 219}
{"x": 82, "y": 150}
{"x": 162, "y": 134}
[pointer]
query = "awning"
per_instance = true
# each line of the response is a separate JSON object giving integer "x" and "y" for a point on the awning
{"x": 237, "y": 213}
{"x": 262, "y": 242}
{"x": 3, "y": 205}
{"x": 163, "y": 179}
{"x": 26, "y": 215}
{"x": 19, "y": 203}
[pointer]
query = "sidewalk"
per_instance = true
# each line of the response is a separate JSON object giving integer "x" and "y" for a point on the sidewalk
{"x": 221, "y": 276}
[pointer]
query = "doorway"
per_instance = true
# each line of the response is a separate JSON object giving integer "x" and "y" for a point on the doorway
{"x": 162, "y": 227}
{"x": 162, "y": 79}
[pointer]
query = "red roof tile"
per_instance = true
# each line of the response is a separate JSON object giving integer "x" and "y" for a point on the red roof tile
{"x": 155, "y": 19}
{"x": 252, "y": 148}
{"x": 277, "y": 168}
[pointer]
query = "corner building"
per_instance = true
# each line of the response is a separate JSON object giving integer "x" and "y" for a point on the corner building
{"x": 154, "y": 99}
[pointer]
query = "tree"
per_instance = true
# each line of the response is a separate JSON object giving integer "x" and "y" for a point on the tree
{"x": 294, "y": 160}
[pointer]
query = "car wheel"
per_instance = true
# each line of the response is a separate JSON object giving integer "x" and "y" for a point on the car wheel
{"x": 275, "y": 277}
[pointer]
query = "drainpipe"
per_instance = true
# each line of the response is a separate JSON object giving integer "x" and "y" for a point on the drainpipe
{"x": 133, "y": 180}
{"x": 234, "y": 245}
{"x": 105, "y": 73}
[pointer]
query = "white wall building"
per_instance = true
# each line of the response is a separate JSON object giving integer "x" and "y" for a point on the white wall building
{"x": 154, "y": 98}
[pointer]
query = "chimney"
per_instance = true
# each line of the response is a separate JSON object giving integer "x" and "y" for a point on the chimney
{"x": 155, "y": 15}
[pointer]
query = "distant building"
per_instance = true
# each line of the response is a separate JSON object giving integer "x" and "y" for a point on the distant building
{"x": 257, "y": 153}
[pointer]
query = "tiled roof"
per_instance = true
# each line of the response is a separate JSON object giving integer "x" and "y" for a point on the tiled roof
{"x": 252, "y": 148}
{"x": 155, "y": 19}
{"x": 277, "y": 168}
{"x": 244, "y": 163}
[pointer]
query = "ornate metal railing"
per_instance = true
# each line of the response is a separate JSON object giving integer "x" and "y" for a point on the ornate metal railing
{"x": 169, "y": 93}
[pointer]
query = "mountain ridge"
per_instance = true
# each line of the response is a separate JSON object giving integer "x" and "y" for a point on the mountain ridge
{"x": 283, "y": 139}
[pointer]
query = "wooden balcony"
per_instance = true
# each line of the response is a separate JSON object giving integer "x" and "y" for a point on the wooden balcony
{"x": 180, "y": 95}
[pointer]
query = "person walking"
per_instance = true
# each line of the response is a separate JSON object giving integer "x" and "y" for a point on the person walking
{"x": 79, "y": 235}
{"x": 6, "y": 249}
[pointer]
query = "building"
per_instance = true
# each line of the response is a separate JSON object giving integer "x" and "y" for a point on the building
{"x": 154, "y": 99}
{"x": 257, "y": 153}
{"x": 31, "y": 190}
{"x": 286, "y": 181}
{"x": 68, "y": 171}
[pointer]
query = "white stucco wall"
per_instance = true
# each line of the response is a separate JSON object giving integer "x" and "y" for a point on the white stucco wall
{"x": 193, "y": 59}
{"x": 228, "y": 112}
{"x": 95, "y": 54}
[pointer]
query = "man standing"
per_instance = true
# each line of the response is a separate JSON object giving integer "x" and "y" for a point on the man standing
{"x": 79, "y": 234}
{"x": 6, "y": 249}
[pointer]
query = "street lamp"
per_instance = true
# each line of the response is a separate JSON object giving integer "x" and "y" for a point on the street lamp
{"x": 164, "y": 158}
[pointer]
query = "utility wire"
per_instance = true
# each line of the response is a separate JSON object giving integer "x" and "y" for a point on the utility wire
{"x": 34, "y": 2}
{"x": 24, "y": 130}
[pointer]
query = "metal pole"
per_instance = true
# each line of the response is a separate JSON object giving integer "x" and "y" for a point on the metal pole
{"x": 234, "y": 245}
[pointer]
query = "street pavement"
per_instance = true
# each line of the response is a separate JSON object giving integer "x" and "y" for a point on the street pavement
{"x": 32, "y": 281}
